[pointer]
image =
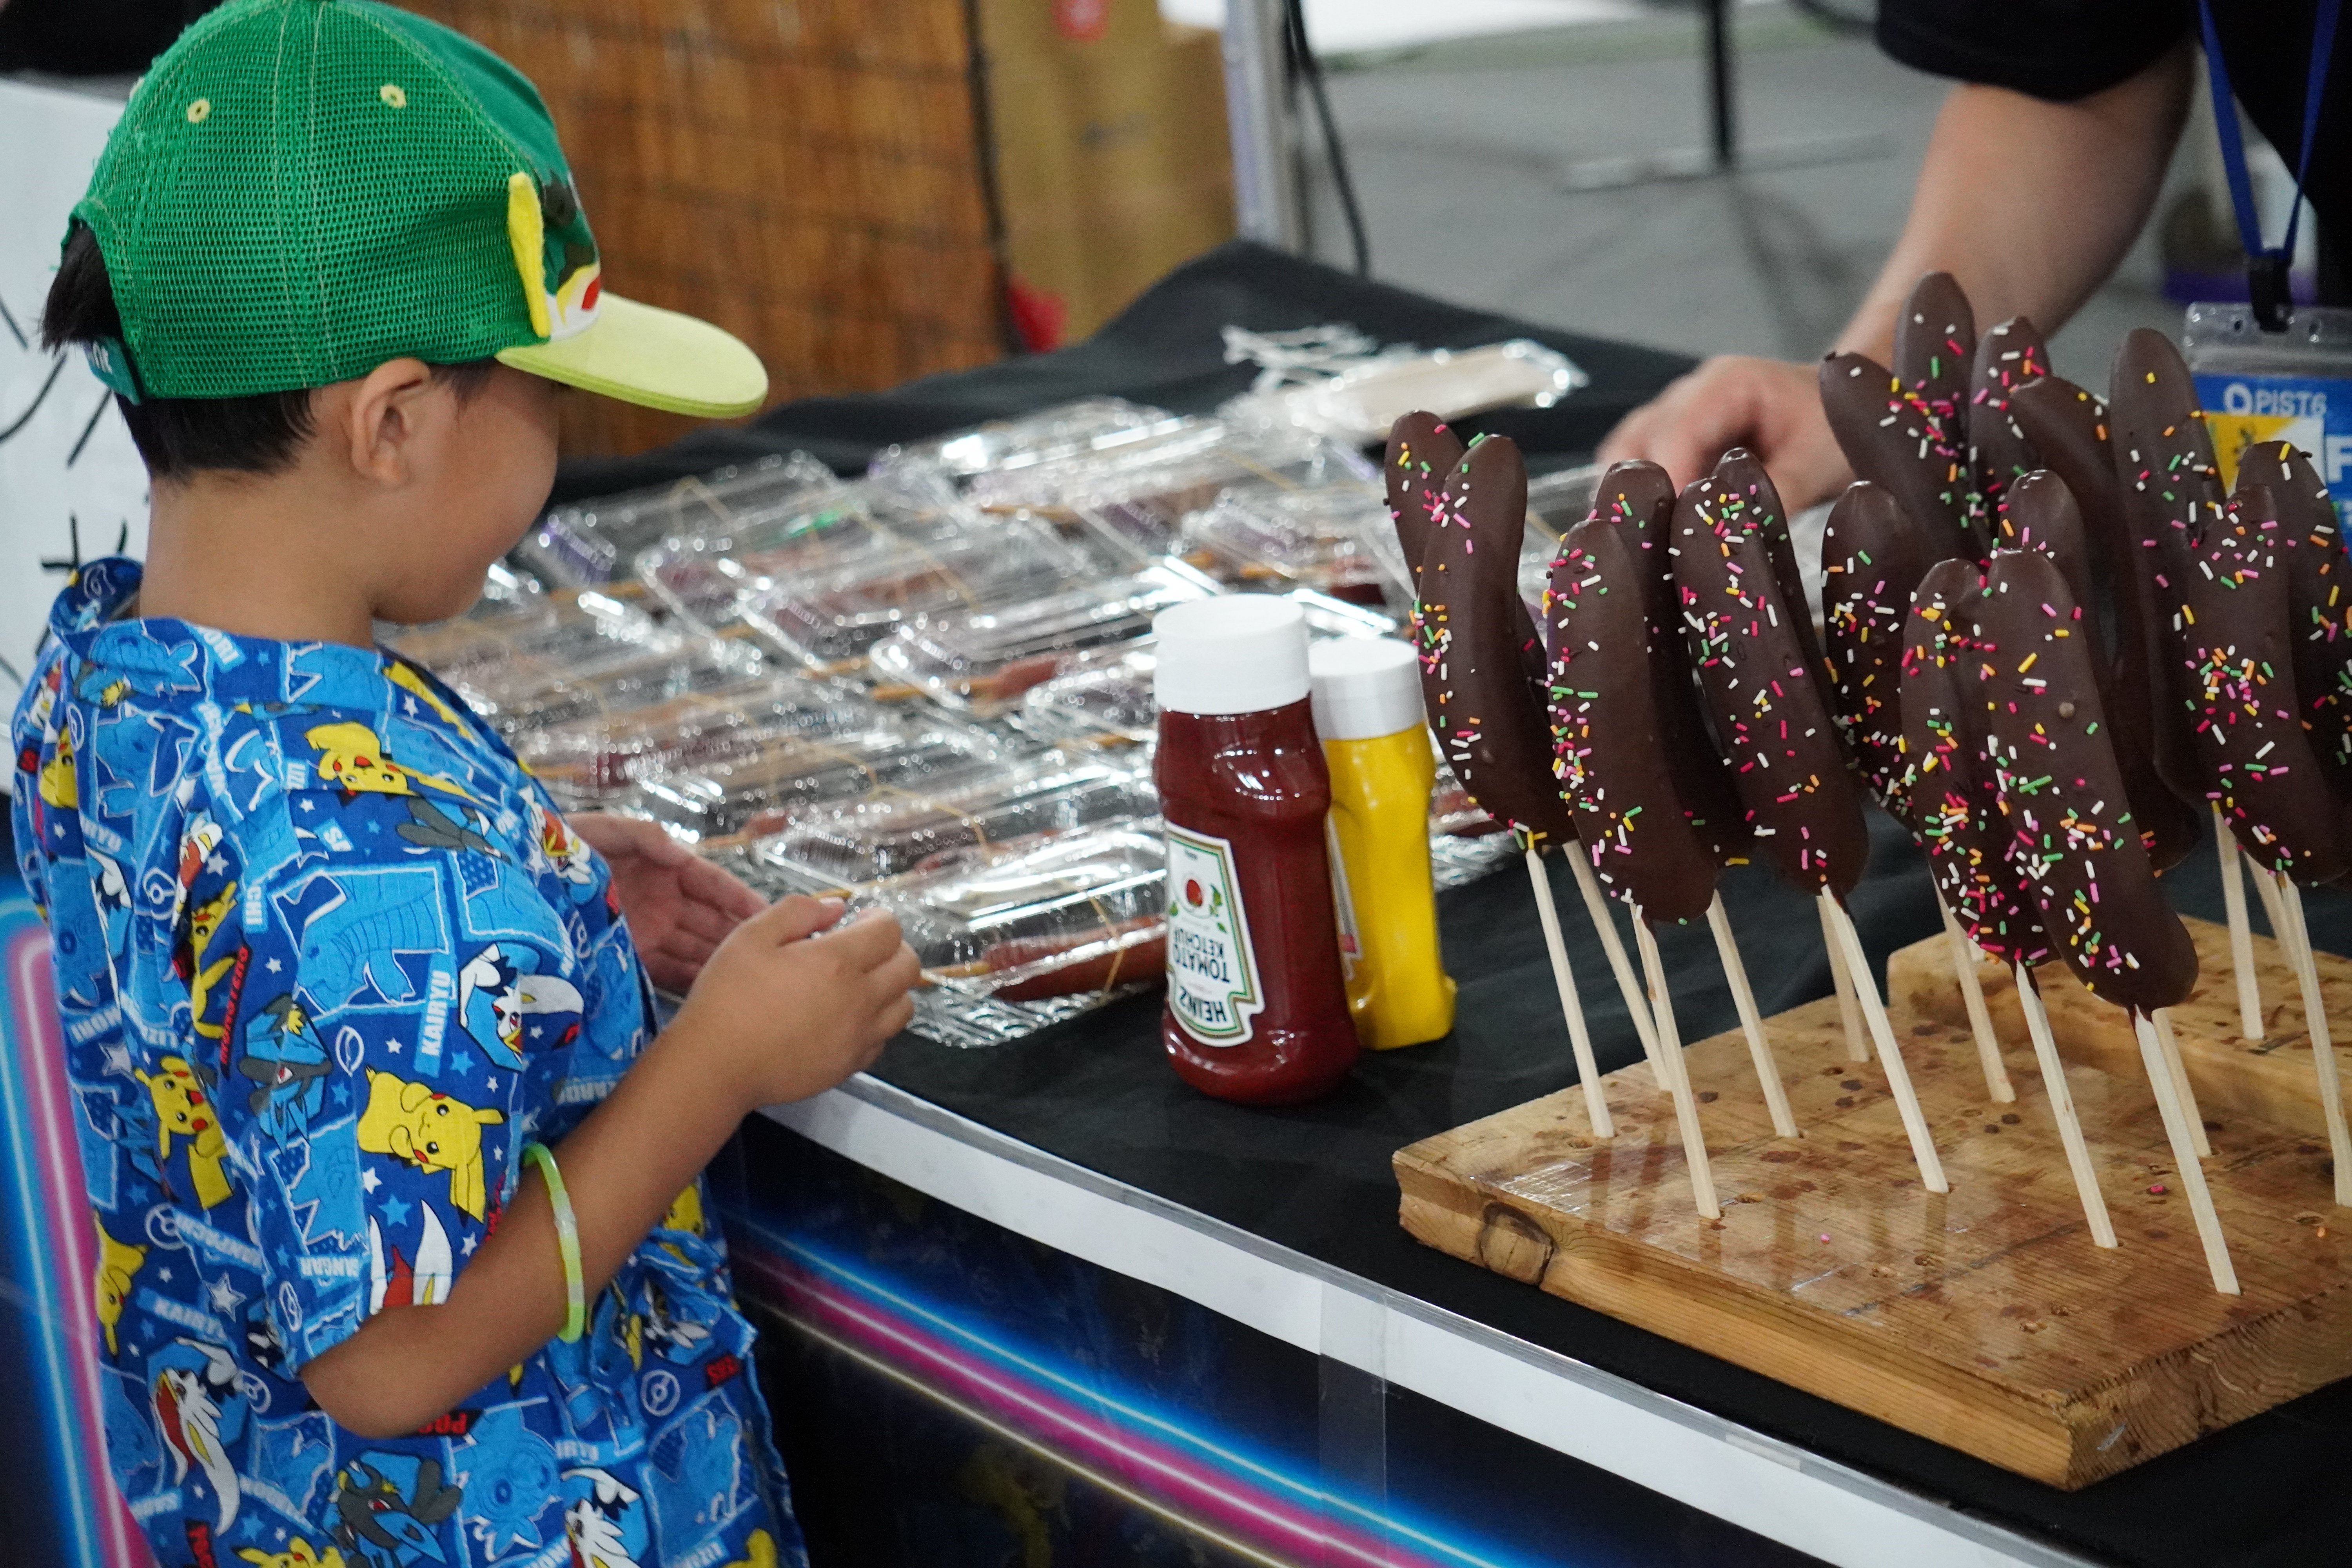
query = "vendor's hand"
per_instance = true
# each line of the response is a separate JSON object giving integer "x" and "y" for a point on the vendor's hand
{"x": 679, "y": 906}
{"x": 794, "y": 1001}
{"x": 1770, "y": 406}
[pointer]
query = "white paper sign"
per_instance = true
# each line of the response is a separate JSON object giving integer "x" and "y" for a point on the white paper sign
{"x": 69, "y": 473}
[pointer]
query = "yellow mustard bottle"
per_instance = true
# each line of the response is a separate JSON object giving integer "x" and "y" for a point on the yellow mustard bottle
{"x": 1368, "y": 714}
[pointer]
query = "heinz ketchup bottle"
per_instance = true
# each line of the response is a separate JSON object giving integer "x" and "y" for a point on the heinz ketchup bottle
{"x": 1257, "y": 1003}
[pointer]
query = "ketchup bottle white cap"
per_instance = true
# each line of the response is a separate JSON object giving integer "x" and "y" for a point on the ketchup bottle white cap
{"x": 1241, "y": 653}
{"x": 1364, "y": 687}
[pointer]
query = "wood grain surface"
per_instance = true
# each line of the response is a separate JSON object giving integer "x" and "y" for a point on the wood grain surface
{"x": 1983, "y": 1318}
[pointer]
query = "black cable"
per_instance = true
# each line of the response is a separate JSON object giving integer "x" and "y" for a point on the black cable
{"x": 1306, "y": 67}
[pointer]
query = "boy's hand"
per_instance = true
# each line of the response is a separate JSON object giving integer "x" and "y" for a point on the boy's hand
{"x": 792, "y": 1002}
{"x": 679, "y": 906}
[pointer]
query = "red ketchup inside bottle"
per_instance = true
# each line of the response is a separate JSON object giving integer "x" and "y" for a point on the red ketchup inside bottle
{"x": 1258, "y": 1002}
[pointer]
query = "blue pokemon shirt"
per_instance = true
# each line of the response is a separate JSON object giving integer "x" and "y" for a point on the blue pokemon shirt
{"x": 327, "y": 960}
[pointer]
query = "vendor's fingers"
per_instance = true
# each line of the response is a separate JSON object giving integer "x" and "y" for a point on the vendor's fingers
{"x": 720, "y": 889}
{"x": 890, "y": 1021}
{"x": 1732, "y": 400}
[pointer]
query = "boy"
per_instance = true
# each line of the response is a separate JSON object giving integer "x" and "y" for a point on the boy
{"x": 403, "y": 1258}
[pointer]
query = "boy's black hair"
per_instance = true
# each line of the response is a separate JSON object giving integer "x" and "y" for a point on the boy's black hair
{"x": 176, "y": 436}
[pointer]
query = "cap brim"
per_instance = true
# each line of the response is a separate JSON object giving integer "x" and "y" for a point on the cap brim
{"x": 643, "y": 354}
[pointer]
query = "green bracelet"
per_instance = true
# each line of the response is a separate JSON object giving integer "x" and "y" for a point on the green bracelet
{"x": 567, "y": 1239}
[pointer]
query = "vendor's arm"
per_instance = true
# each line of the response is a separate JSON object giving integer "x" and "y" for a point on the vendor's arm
{"x": 779, "y": 1012}
{"x": 2029, "y": 204}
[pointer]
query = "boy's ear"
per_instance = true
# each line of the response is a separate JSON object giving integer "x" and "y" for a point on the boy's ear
{"x": 378, "y": 424}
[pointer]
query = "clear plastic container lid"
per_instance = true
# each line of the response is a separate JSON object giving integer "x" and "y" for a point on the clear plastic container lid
{"x": 1142, "y": 493}
{"x": 757, "y": 794}
{"x": 528, "y": 693}
{"x": 889, "y": 835}
{"x": 1327, "y": 538}
{"x": 535, "y": 640}
{"x": 1074, "y": 912}
{"x": 597, "y": 542}
{"x": 598, "y": 760}
{"x": 827, "y": 617}
{"x": 985, "y": 657}
{"x": 1065, "y": 430}
{"x": 1100, "y": 696}
{"x": 706, "y": 576}
{"x": 1363, "y": 399}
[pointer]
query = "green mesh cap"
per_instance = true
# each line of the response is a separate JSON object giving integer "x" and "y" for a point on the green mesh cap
{"x": 300, "y": 190}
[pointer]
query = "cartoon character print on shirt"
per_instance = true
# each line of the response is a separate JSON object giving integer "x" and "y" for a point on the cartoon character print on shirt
{"x": 179, "y": 1091}
{"x": 389, "y": 1510}
{"x": 228, "y": 1254}
{"x": 511, "y": 1476}
{"x": 118, "y": 1265}
{"x": 558, "y": 851}
{"x": 298, "y": 1553}
{"x": 499, "y": 988}
{"x": 411, "y": 1121}
{"x": 200, "y": 1411}
{"x": 603, "y": 1518}
{"x": 286, "y": 1066}
{"x": 352, "y": 759}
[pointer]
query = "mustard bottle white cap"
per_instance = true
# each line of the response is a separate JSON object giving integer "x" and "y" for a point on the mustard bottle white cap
{"x": 1241, "y": 653}
{"x": 1364, "y": 687}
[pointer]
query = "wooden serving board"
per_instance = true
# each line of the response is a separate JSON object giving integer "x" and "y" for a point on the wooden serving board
{"x": 2272, "y": 1078}
{"x": 1982, "y": 1317}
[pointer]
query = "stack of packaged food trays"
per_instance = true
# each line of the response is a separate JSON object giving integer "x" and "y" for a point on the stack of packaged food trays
{"x": 928, "y": 690}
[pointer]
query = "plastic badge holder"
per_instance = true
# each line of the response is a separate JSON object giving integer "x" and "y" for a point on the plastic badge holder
{"x": 598, "y": 760}
{"x": 2293, "y": 386}
{"x": 889, "y": 835}
{"x": 597, "y": 542}
{"x": 985, "y": 657}
{"x": 1360, "y": 403}
{"x": 705, "y": 576}
{"x": 1065, "y": 430}
{"x": 1075, "y": 913}
{"x": 757, "y": 794}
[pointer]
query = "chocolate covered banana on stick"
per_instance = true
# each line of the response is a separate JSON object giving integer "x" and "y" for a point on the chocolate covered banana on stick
{"x": 1475, "y": 641}
{"x": 1769, "y": 712}
{"x": 2071, "y": 838}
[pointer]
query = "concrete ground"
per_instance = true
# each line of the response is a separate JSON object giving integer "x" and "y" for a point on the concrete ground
{"x": 1465, "y": 154}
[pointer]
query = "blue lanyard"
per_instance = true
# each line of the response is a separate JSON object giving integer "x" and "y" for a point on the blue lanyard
{"x": 2266, "y": 270}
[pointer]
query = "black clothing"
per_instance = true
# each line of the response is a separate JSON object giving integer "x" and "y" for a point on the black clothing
{"x": 2066, "y": 49}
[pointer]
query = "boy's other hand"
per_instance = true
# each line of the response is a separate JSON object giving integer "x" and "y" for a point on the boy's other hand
{"x": 795, "y": 1000}
{"x": 679, "y": 906}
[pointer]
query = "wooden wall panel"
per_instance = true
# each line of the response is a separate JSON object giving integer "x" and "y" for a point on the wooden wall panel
{"x": 804, "y": 172}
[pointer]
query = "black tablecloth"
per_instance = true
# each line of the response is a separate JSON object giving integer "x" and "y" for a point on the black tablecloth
{"x": 1168, "y": 349}
{"x": 2266, "y": 1492}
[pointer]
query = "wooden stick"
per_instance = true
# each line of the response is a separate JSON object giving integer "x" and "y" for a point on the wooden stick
{"x": 1857, "y": 1047}
{"x": 2184, "y": 1156}
{"x": 2322, "y": 1043}
{"x": 1597, "y": 906}
{"x": 1751, "y": 1021}
{"x": 2266, "y": 884}
{"x": 2241, "y": 934}
{"x": 1676, "y": 1073}
{"x": 2062, "y": 1106}
{"x": 2172, "y": 1063}
{"x": 1890, "y": 1055}
{"x": 1964, "y": 959}
{"x": 1579, "y": 1037}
